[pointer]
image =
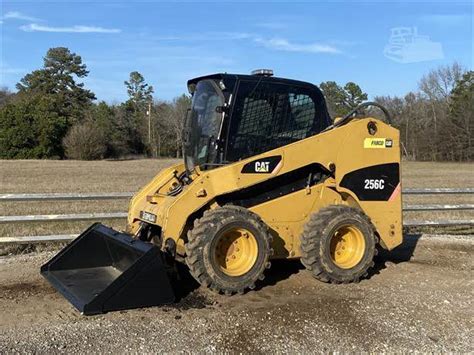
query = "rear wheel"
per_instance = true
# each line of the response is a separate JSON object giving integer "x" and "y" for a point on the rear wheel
{"x": 228, "y": 249}
{"x": 338, "y": 244}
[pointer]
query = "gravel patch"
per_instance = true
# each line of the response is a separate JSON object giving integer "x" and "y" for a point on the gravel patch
{"x": 419, "y": 298}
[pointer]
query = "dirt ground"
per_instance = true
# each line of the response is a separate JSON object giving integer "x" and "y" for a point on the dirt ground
{"x": 418, "y": 298}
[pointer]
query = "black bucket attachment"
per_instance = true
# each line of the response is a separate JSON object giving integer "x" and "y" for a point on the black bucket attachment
{"x": 104, "y": 270}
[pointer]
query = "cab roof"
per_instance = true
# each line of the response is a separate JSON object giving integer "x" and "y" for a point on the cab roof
{"x": 227, "y": 77}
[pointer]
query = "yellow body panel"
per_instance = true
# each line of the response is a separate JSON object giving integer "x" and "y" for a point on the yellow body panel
{"x": 344, "y": 149}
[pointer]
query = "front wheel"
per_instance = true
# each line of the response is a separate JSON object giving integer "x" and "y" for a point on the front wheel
{"x": 228, "y": 249}
{"x": 338, "y": 244}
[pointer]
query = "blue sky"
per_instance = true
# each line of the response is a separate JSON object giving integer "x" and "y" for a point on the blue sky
{"x": 171, "y": 42}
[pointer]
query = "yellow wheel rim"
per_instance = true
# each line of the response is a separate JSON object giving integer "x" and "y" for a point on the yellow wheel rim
{"x": 347, "y": 247}
{"x": 236, "y": 251}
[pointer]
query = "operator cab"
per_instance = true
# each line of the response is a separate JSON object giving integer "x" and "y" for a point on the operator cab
{"x": 236, "y": 116}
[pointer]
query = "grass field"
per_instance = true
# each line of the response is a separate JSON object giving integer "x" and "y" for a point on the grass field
{"x": 46, "y": 176}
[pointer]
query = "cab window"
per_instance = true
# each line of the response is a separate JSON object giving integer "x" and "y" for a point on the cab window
{"x": 268, "y": 115}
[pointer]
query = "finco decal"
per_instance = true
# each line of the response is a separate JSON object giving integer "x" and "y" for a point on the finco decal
{"x": 378, "y": 143}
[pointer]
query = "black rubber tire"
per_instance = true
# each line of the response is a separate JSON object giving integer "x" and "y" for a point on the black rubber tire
{"x": 315, "y": 244}
{"x": 199, "y": 256}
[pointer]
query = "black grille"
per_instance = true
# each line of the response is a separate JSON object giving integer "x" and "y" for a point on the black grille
{"x": 268, "y": 116}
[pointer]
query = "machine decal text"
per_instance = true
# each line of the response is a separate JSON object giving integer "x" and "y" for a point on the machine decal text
{"x": 374, "y": 184}
{"x": 265, "y": 165}
{"x": 378, "y": 143}
{"x": 262, "y": 166}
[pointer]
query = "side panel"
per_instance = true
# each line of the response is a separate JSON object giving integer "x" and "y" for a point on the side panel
{"x": 369, "y": 171}
{"x": 208, "y": 186}
{"x": 342, "y": 150}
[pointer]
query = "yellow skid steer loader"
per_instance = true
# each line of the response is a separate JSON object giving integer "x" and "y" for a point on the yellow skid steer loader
{"x": 266, "y": 175}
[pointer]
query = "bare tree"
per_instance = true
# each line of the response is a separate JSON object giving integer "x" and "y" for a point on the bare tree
{"x": 436, "y": 87}
{"x": 438, "y": 83}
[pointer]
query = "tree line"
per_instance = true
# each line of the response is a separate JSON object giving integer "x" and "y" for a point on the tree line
{"x": 437, "y": 121}
{"x": 52, "y": 115}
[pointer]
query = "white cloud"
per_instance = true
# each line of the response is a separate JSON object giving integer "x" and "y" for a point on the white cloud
{"x": 282, "y": 44}
{"x": 272, "y": 25}
{"x": 168, "y": 38}
{"x": 16, "y": 15}
{"x": 33, "y": 27}
{"x": 206, "y": 36}
{"x": 234, "y": 35}
{"x": 271, "y": 43}
{"x": 447, "y": 19}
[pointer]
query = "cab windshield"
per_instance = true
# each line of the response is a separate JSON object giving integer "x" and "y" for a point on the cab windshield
{"x": 203, "y": 125}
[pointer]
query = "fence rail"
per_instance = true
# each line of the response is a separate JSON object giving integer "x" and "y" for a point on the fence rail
{"x": 66, "y": 197}
{"x": 125, "y": 195}
{"x": 440, "y": 223}
{"x": 63, "y": 217}
{"x": 35, "y": 239}
{"x": 116, "y": 215}
{"x": 439, "y": 191}
{"x": 413, "y": 208}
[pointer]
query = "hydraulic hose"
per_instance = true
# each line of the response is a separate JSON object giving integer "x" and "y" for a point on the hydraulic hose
{"x": 350, "y": 116}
